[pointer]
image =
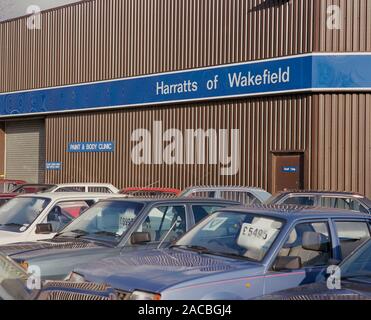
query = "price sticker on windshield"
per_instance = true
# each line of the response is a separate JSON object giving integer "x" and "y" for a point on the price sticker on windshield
{"x": 257, "y": 235}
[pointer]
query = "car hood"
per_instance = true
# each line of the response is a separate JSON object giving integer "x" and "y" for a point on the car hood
{"x": 9, "y": 236}
{"x": 356, "y": 289}
{"x": 30, "y": 250}
{"x": 157, "y": 270}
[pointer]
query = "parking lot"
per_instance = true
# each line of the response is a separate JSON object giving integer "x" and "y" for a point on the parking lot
{"x": 185, "y": 150}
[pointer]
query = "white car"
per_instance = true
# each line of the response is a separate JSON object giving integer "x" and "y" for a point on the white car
{"x": 84, "y": 187}
{"x": 41, "y": 216}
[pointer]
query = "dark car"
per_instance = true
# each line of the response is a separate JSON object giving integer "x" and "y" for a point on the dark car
{"x": 111, "y": 227}
{"x": 151, "y": 192}
{"x": 326, "y": 199}
{"x": 236, "y": 253}
{"x": 353, "y": 282}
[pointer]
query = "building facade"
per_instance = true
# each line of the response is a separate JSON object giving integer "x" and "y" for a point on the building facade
{"x": 276, "y": 94}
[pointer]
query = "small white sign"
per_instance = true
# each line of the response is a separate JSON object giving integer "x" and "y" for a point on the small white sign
{"x": 214, "y": 224}
{"x": 258, "y": 234}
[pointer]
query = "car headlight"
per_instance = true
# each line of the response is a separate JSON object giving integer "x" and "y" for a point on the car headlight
{"x": 140, "y": 295}
{"x": 75, "y": 277}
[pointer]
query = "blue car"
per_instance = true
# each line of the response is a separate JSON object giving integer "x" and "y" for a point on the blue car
{"x": 237, "y": 253}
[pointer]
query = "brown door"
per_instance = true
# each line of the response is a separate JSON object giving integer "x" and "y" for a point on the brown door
{"x": 288, "y": 171}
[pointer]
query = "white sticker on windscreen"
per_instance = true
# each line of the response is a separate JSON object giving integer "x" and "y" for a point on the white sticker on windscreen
{"x": 258, "y": 234}
{"x": 214, "y": 224}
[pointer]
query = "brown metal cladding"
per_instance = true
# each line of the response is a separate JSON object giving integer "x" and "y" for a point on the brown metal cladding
{"x": 355, "y": 27}
{"x": 105, "y": 39}
{"x": 265, "y": 124}
{"x": 341, "y": 149}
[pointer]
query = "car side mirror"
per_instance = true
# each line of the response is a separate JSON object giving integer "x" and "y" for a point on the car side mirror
{"x": 44, "y": 228}
{"x": 140, "y": 238}
{"x": 287, "y": 263}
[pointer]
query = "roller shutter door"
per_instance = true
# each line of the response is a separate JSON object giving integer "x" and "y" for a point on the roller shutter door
{"x": 25, "y": 150}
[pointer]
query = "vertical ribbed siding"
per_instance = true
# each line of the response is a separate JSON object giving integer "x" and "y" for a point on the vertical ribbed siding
{"x": 266, "y": 124}
{"x": 341, "y": 158}
{"x": 355, "y": 31}
{"x": 105, "y": 39}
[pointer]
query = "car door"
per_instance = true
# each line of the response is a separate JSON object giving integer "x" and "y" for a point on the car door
{"x": 164, "y": 224}
{"x": 59, "y": 214}
{"x": 308, "y": 242}
{"x": 350, "y": 235}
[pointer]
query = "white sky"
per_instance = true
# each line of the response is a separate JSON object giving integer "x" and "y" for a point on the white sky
{"x": 15, "y": 8}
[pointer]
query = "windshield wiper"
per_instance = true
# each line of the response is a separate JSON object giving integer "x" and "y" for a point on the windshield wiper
{"x": 198, "y": 249}
{"x": 80, "y": 233}
{"x": 107, "y": 233}
{"x": 13, "y": 225}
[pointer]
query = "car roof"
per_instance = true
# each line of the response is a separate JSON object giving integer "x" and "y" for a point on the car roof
{"x": 71, "y": 195}
{"x": 323, "y": 192}
{"x": 84, "y": 184}
{"x": 293, "y": 212}
{"x": 175, "y": 200}
{"x": 216, "y": 187}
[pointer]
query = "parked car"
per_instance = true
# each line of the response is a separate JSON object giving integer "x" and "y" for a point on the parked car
{"x": 40, "y": 216}
{"x": 355, "y": 281}
{"x": 6, "y": 185}
{"x": 23, "y": 189}
{"x": 151, "y": 192}
{"x": 244, "y": 195}
{"x": 112, "y": 227}
{"x": 236, "y": 253}
{"x": 13, "y": 281}
{"x": 325, "y": 199}
{"x": 84, "y": 187}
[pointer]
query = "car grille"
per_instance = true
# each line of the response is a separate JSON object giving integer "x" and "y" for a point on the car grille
{"x": 328, "y": 297}
{"x": 64, "y": 290}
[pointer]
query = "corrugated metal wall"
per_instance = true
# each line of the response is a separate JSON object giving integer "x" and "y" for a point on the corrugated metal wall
{"x": 341, "y": 150}
{"x": 104, "y": 39}
{"x": 266, "y": 124}
{"x": 355, "y": 26}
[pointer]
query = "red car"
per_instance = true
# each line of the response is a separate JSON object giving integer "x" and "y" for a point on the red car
{"x": 7, "y": 186}
{"x": 23, "y": 189}
{"x": 151, "y": 192}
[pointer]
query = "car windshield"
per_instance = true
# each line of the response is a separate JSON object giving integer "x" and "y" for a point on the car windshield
{"x": 12, "y": 280}
{"x": 20, "y": 213}
{"x": 107, "y": 220}
{"x": 241, "y": 235}
{"x": 359, "y": 264}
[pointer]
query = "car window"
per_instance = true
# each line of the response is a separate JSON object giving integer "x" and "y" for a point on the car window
{"x": 99, "y": 190}
{"x": 243, "y": 197}
{"x": 107, "y": 220}
{"x": 248, "y": 236}
{"x": 165, "y": 223}
{"x": 311, "y": 243}
{"x": 19, "y": 213}
{"x": 202, "y": 194}
{"x": 64, "y": 212}
{"x": 359, "y": 264}
{"x": 300, "y": 201}
{"x": 71, "y": 189}
{"x": 3, "y": 201}
{"x": 351, "y": 235}
{"x": 343, "y": 203}
{"x": 201, "y": 211}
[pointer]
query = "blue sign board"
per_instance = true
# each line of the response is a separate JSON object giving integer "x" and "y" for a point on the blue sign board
{"x": 302, "y": 73}
{"x": 289, "y": 169}
{"x": 107, "y": 146}
{"x": 54, "y": 166}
